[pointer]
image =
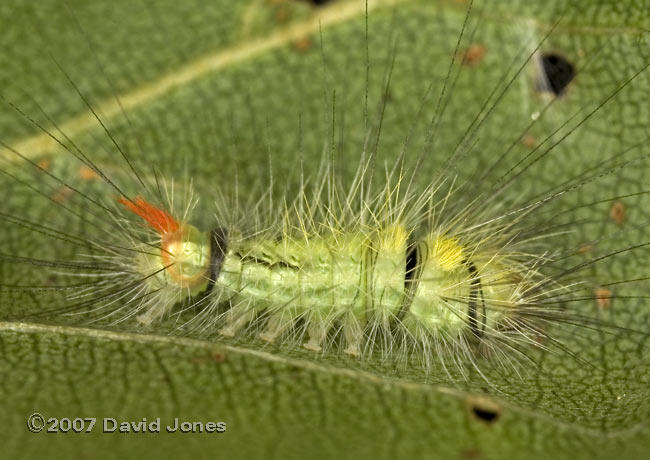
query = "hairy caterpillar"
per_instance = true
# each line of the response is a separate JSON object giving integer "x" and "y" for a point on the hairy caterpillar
{"x": 368, "y": 282}
{"x": 447, "y": 271}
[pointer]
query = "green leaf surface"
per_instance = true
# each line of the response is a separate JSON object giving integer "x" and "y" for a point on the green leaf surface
{"x": 220, "y": 91}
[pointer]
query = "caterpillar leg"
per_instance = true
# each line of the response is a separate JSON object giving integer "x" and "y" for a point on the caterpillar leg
{"x": 276, "y": 326}
{"x": 146, "y": 319}
{"x": 236, "y": 318}
{"x": 353, "y": 333}
{"x": 153, "y": 314}
{"x": 317, "y": 330}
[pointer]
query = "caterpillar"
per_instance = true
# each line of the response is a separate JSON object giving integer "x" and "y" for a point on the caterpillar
{"x": 453, "y": 272}
{"x": 366, "y": 282}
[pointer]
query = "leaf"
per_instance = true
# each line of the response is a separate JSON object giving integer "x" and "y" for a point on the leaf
{"x": 210, "y": 91}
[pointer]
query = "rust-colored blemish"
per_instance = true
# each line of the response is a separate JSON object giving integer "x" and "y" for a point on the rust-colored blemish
{"x": 45, "y": 163}
{"x": 282, "y": 14}
{"x": 585, "y": 247}
{"x": 617, "y": 212}
{"x": 470, "y": 454}
{"x": 473, "y": 54}
{"x": 87, "y": 173}
{"x": 529, "y": 141}
{"x": 539, "y": 337}
{"x": 603, "y": 298}
{"x": 302, "y": 44}
{"x": 216, "y": 357}
{"x": 62, "y": 194}
{"x": 51, "y": 280}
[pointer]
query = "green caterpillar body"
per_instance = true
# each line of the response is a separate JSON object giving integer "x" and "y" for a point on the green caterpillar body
{"x": 360, "y": 284}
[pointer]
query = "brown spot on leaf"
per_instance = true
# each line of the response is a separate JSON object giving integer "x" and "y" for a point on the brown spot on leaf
{"x": 470, "y": 453}
{"x": 529, "y": 141}
{"x": 87, "y": 173}
{"x": 603, "y": 298}
{"x": 282, "y": 14}
{"x": 216, "y": 357}
{"x": 303, "y": 44}
{"x": 585, "y": 247}
{"x": 45, "y": 163}
{"x": 539, "y": 337}
{"x": 473, "y": 54}
{"x": 617, "y": 212}
{"x": 51, "y": 280}
{"x": 62, "y": 194}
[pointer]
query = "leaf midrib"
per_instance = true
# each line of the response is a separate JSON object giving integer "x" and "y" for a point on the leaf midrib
{"x": 41, "y": 143}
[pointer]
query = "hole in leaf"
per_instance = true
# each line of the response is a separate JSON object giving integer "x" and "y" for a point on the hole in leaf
{"x": 318, "y": 2}
{"x": 488, "y": 416}
{"x": 557, "y": 73}
{"x": 483, "y": 409}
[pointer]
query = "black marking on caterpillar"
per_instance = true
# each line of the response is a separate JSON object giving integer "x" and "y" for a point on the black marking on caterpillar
{"x": 218, "y": 248}
{"x": 475, "y": 291}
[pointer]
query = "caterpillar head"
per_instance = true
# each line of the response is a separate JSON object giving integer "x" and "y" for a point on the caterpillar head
{"x": 184, "y": 255}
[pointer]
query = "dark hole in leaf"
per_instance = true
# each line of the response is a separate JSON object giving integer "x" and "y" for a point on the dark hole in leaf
{"x": 318, "y": 2}
{"x": 558, "y": 72}
{"x": 484, "y": 409}
{"x": 486, "y": 415}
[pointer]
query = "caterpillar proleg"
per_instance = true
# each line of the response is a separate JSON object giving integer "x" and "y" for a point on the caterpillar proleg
{"x": 456, "y": 259}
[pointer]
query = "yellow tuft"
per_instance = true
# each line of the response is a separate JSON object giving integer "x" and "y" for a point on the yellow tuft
{"x": 447, "y": 252}
{"x": 392, "y": 238}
